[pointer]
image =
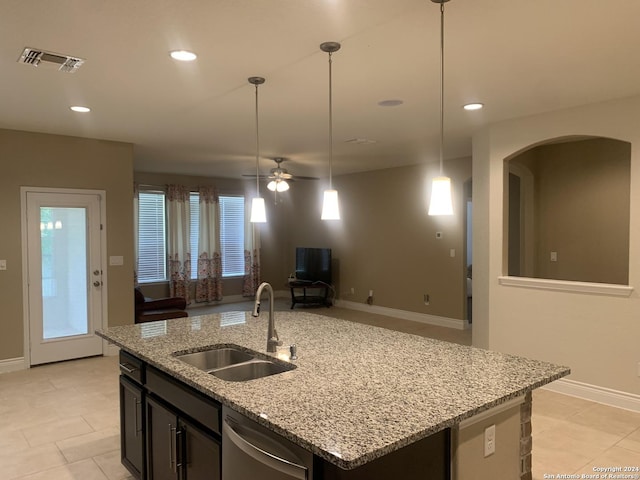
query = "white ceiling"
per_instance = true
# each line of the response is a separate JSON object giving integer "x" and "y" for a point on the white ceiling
{"x": 519, "y": 57}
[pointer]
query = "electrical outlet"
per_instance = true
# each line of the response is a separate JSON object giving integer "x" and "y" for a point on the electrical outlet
{"x": 490, "y": 440}
{"x": 639, "y": 369}
{"x": 371, "y": 293}
{"x": 353, "y": 291}
{"x": 3, "y": 264}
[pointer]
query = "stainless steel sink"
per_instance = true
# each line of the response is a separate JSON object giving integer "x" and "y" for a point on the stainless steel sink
{"x": 251, "y": 370}
{"x": 235, "y": 364}
{"x": 215, "y": 358}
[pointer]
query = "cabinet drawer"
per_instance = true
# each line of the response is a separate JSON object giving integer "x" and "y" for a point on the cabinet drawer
{"x": 132, "y": 367}
{"x": 202, "y": 409}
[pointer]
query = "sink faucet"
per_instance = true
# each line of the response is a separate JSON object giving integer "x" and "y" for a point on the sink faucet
{"x": 272, "y": 335}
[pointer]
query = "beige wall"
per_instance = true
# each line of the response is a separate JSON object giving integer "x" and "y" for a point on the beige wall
{"x": 581, "y": 209}
{"x": 468, "y": 460}
{"x": 41, "y": 160}
{"x": 385, "y": 241}
{"x": 596, "y": 335}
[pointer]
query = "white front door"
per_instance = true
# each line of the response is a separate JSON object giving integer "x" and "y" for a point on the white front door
{"x": 65, "y": 274}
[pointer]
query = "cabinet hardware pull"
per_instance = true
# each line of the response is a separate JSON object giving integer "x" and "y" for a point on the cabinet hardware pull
{"x": 179, "y": 462}
{"x": 171, "y": 448}
{"x": 127, "y": 368}
{"x": 136, "y": 403}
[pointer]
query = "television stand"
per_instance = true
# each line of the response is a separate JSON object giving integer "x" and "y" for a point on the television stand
{"x": 319, "y": 296}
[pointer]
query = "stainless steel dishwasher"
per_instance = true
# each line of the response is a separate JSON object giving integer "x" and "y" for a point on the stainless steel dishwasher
{"x": 250, "y": 452}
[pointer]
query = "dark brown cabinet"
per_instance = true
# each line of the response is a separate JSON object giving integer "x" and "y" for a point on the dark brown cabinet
{"x": 168, "y": 430}
{"x": 201, "y": 453}
{"x": 132, "y": 439}
{"x": 162, "y": 430}
{"x": 132, "y": 429}
{"x": 177, "y": 448}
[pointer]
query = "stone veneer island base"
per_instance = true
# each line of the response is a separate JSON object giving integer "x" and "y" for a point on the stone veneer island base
{"x": 364, "y": 401}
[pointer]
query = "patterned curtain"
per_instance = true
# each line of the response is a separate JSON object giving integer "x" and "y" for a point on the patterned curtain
{"x": 209, "y": 283}
{"x": 178, "y": 247}
{"x": 251, "y": 255}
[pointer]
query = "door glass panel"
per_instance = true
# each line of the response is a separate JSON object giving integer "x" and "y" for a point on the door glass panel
{"x": 63, "y": 233}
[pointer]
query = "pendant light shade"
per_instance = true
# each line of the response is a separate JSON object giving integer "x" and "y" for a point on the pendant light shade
{"x": 441, "y": 199}
{"x": 440, "y": 203}
{"x": 330, "y": 204}
{"x": 258, "y": 211}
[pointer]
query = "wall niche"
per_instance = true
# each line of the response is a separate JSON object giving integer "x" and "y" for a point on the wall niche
{"x": 567, "y": 204}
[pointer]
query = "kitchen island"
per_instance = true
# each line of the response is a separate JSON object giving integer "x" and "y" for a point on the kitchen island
{"x": 358, "y": 393}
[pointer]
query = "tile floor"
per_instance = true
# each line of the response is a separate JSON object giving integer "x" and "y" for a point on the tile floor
{"x": 61, "y": 421}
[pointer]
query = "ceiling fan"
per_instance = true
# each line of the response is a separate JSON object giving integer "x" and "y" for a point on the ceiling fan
{"x": 279, "y": 177}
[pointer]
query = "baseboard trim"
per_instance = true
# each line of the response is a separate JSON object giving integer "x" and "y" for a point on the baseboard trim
{"x": 405, "y": 315}
{"x": 586, "y": 391}
{"x": 12, "y": 365}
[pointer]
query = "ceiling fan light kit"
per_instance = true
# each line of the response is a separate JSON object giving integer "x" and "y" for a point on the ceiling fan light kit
{"x": 278, "y": 186}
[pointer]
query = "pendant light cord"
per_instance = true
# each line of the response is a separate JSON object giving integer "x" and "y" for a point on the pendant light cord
{"x": 441, "y": 88}
{"x": 330, "y": 127}
{"x": 257, "y": 147}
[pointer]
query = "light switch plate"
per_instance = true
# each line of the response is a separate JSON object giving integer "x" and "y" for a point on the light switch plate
{"x": 116, "y": 261}
{"x": 3, "y": 264}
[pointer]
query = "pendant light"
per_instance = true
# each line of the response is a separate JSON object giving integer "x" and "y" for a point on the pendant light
{"x": 258, "y": 212}
{"x": 330, "y": 205}
{"x": 441, "y": 203}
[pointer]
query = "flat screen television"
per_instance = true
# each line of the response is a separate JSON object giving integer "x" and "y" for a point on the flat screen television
{"x": 313, "y": 264}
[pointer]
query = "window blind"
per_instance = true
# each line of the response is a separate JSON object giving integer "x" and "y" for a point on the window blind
{"x": 194, "y": 207}
{"x": 152, "y": 248}
{"x": 232, "y": 235}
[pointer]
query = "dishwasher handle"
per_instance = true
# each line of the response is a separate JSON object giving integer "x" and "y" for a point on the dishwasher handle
{"x": 291, "y": 469}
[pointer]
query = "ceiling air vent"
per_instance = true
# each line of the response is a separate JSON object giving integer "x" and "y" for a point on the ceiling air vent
{"x": 38, "y": 58}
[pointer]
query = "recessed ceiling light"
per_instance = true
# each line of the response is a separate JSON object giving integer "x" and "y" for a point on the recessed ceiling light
{"x": 80, "y": 109}
{"x": 183, "y": 55}
{"x": 473, "y": 106}
{"x": 390, "y": 103}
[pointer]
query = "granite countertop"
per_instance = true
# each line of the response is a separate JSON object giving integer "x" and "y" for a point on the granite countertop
{"x": 358, "y": 392}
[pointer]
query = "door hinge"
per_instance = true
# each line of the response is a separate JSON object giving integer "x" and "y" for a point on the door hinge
{"x": 100, "y": 226}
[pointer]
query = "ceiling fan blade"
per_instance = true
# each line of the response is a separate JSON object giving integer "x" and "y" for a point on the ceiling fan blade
{"x": 301, "y": 177}
{"x": 262, "y": 177}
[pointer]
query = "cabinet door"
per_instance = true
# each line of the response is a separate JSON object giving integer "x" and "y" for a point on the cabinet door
{"x": 132, "y": 435}
{"x": 162, "y": 428}
{"x": 199, "y": 453}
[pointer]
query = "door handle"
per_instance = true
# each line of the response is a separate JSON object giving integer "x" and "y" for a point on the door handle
{"x": 96, "y": 272}
{"x": 97, "y": 283}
